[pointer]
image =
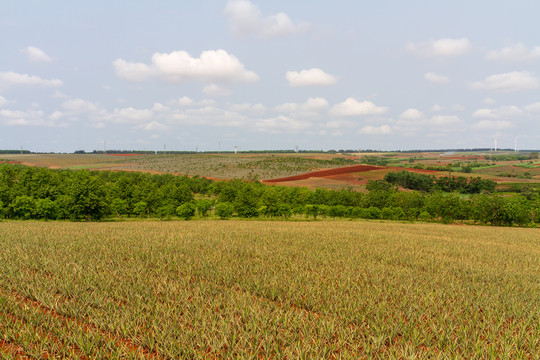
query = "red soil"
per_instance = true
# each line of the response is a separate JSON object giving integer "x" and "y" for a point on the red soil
{"x": 344, "y": 173}
{"x": 326, "y": 173}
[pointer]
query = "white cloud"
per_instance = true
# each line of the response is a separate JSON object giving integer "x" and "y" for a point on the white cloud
{"x": 27, "y": 118}
{"x": 489, "y": 101}
{"x": 311, "y": 77}
{"x": 57, "y": 115}
{"x": 132, "y": 71}
{"x": 130, "y": 115}
{"x": 311, "y": 105}
{"x": 154, "y": 125}
{"x": 436, "y": 108}
{"x": 80, "y": 105}
{"x": 339, "y": 124}
{"x": 441, "y": 47}
{"x": 11, "y": 78}
{"x": 179, "y": 66}
{"x": 281, "y": 124}
{"x": 3, "y": 101}
{"x": 445, "y": 121}
{"x": 351, "y": 107}
{"x": 36, "y": 55}
{"x": 436, "y": 78}
{"x": 503, "y": 112}
{"x": 375, "y": 130}
{"x": 185, "y": 101}
{"x": 216, "y": 90}
{"x": 517, "y": 52}
{"x": 247, "y": 108}
{"x": 316, "y": 104}
{"x": 246, "y": 19}
{"x": 492, "y": 125}
{"x": 533, "y": 107}
{"x": 160, "y": 108}
{"x": 412, "y": 114}
{"x": 507, "y": 82}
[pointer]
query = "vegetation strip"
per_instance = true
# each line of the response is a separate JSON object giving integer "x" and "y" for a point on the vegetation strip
{"x": 45, "y": 194}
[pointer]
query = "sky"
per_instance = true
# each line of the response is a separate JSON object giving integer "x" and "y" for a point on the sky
{"x": 210, "y": 75}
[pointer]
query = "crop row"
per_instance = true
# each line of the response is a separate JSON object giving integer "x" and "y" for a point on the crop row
{"x": 273, "y": 290}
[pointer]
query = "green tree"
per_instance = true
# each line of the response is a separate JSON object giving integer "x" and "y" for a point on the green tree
{"x": 246, "y": 203}
{"x": 224, "y": 210}
{"x": 312, "y": 210}
{"x": 119, "y": 207}
{"x": 166, "y": 211}
{"x": 140, "y": 208}
{"x": 186, "y": 211}
{"x": 87, "y": 196}
{"x": 46, "y": 209}
{"x": 203, "y": 207}
{"x": 23, "y": 207}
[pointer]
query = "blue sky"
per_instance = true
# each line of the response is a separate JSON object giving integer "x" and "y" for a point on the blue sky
{"x": 317, "y": 74}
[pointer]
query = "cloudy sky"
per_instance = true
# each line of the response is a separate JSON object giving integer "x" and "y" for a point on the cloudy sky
{"x": 317, "y": 74}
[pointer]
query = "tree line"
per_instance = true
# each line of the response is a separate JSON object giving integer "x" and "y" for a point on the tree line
{"x": 48, "y": 194}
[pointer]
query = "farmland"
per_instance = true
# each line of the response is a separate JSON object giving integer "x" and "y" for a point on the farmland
{"x": 252, "y": 289}
{"x": 506, "y": 168}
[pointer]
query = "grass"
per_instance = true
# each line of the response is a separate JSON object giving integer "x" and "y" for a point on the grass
{"x": 250, "y": 289}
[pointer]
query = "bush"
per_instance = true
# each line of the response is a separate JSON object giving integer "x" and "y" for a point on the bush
{"x": 186, "y": 211}
{"x": 224, "y": 210}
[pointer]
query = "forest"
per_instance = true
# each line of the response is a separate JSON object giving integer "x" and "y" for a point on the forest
{"x": 82, "y": 195}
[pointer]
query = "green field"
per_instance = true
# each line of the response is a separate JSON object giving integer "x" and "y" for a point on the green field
{"x": 272, "y": 290}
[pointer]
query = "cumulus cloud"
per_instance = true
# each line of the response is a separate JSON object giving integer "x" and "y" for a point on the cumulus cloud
{"x": 247, "y": 108}
{"x": 311, "y": 77}
{"x": 445, "y": 47}
{"x": 445, "y": 120}
{"x": 216, "y": 90}
{"x": 185, "y": 101}
{"x": 411, "y": 114}
{"x": 436, "y": 108}
{"x": 3, "y": 101}
{"x": 246, "y": 19}
{"x": 130, "y": 115}
{"x": 492, "y": 125}
{"x": 35, "y": 54}
{"x": 436, "y": 78}
{"x": 375, "y": 130}
{"x": 339, "y": 124}
{"x": 312, "y": 104}
{"x": 517, "y": 52}
{"x": 503, "y": 112}
{"x": 160, "y": 108}
{"x": 281, "y": 124}
{"x": 507, "y": 82}
{"x": 80, "y": 105}
{"x": 10, "y": 78}
{"x": 351, "y": 107}
{"x": 27, "y": 118}
{"x": 180, "y": 66}
{"x": 154, "y": 125}
{"x": 132, "y": 71}
{"x": 488, "y": 101}
{"x": 533, "y": 107}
